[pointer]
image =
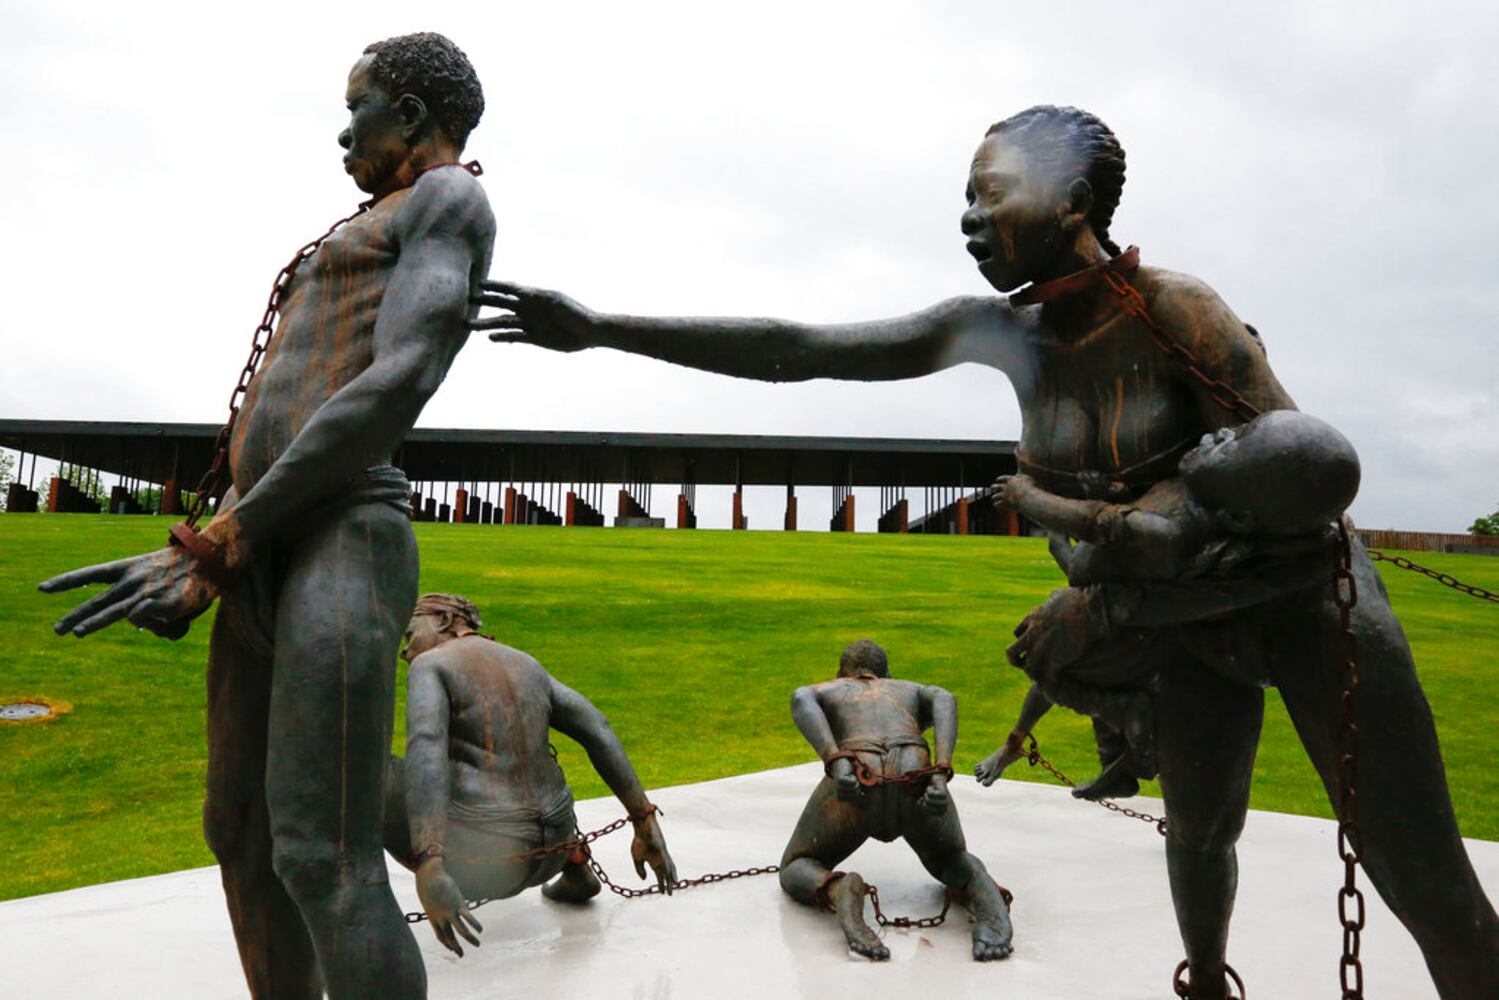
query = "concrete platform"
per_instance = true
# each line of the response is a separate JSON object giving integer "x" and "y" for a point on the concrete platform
{"x": 1092, "y": 916}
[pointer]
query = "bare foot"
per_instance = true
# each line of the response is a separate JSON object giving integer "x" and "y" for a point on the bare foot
{"x": 1117, "y": 781}
{"x": 988, "y": 770}
{"x": 992, "y": 932}
{"x": 576, "y": 884}
{"x": 847, "y": 897}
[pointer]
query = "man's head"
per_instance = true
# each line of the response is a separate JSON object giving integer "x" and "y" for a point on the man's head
{"x": 412, "y": 96}
{"x": 1283, "y": 473}
{"x": 439, "y": 618}
{"x": 863, "y": 659}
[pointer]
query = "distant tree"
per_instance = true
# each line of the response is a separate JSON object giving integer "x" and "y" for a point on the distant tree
{"x": 1486, "y": 525}
{"x": 7, "y": 464}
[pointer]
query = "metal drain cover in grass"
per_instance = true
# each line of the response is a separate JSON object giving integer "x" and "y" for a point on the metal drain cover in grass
{"x": 23, "y": 711}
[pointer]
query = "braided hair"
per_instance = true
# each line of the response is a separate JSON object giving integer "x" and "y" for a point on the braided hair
{"x": 460, "y": 610}
{"x": 1071, "y": 139}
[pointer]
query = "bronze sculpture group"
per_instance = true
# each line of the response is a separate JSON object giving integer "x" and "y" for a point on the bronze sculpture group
{"x": 1206, "y": 538}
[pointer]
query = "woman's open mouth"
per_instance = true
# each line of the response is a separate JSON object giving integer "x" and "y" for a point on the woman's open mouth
{"x": 979, "y": 250}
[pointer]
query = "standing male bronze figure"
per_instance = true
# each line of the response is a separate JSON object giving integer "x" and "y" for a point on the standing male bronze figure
{"x": 311, "y": 554}
{"x": 1107, "y": 411}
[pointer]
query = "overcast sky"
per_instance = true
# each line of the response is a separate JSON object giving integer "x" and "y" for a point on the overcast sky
{"x": 1328, "y": 168}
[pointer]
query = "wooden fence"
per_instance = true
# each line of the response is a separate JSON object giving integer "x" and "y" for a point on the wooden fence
{"x": 1428, "y": 541}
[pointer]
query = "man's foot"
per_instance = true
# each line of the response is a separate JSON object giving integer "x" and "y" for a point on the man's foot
{"x": 1117, "y": 781}
{"x": 847, "y": 898}
{"x": 576, "y": 884}
{"x": 992, "y": 933}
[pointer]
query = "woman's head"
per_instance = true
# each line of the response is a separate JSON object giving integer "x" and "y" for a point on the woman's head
{"x": 1036, "y": 179}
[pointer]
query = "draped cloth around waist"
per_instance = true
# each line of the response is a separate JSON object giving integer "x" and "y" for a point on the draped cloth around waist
{"x": 541, "y": 826}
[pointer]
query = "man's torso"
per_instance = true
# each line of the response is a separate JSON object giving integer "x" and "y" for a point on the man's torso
{"x": 324, "y": 339}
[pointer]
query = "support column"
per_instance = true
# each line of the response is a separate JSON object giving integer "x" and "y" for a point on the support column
{"x": 460, "y": 506}
{"x": 790, "y": 509}
{"x": 570, "y": 517}
{"x": 171, "y": 497}
{"x": 848, "y": 512}
{"x": 738, "y": 518}
{"x": 1012, "y": 521}
{"x": 962, "y": 506}
{"x": 509, "y": 505}
{"x": 54, "y": 495}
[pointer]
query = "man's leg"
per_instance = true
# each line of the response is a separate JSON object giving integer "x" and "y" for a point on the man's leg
{"x": 827, "y": 832}
{"x": 274, "y": 948}
{"x": 1207, "y": 730}
{"x": 938, "y": 841}
{"x": 346, "y": 598}
{"x": 1412, "y": 850}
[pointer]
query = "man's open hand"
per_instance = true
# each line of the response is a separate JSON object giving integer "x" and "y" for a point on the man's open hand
{"x": 445, "y": 906}
{"x": 649, "y": 848}
{"x": 533, "y": 316}
{"x": 162, "y": 591}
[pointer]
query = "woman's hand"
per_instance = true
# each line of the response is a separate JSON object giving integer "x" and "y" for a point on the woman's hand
{"x": 534, "y": 316}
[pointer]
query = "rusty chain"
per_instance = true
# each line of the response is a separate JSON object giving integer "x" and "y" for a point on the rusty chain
{"x": 1350, "y": 837}
{"x": 908, "y": 922}
{"x": 1444, "y": 579}
{"x": 1345, "y": 595}
{"x": 1034, "y": 758}
{"x": 1182, "y": 988}
{"x": 211, "y": 483}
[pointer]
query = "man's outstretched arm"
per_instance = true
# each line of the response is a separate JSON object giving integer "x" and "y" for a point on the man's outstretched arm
{"x": 969, "y": 328}
{"x": 576, "y": 717}
{"x": 446, "y": 232}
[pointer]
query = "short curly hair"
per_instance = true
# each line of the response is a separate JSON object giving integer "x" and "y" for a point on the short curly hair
{"x": 863, "y": 658}
{"x": 1072, "y": 139}
{"x": 429, "y": 66}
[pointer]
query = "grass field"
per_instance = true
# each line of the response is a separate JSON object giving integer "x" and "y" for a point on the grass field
{"x": 690, "y": 641}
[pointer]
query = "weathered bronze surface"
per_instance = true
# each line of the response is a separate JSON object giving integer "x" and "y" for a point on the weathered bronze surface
{"x": 313, "y": 560}
{"x": 881, "y": 782}
{"x": 1107, "y": 412}
{"x": 479, "y": 807}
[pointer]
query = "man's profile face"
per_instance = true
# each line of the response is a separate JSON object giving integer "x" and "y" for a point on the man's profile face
{"x": 375, "y": 138}
{"x": 423, "y": 633}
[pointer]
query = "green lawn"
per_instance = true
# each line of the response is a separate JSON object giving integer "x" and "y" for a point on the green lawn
{"x": 690, "y": 641}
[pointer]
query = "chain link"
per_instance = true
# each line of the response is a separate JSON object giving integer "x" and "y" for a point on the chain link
{"x": 212, "y": 482}
{"x": 1442, "y": 578}
{"x": 1182, "y": 988}
{"x": 1350, "y": 838}
{"x": 903, "y": 922}
{"x": 1034, "y": 758}
{"x": 1345, "y": 595}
